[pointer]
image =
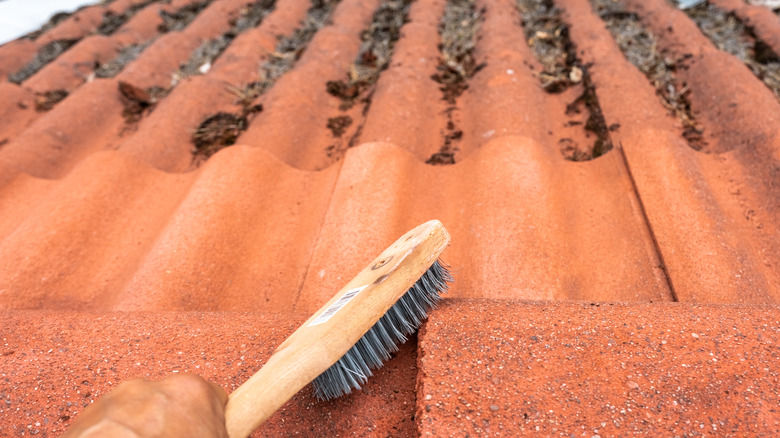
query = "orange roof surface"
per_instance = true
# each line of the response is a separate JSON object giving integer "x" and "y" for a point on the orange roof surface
{"x": 183, "y": 182}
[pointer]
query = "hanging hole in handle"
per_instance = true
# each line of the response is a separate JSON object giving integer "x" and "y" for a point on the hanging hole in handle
{"x": 382, "y": 262}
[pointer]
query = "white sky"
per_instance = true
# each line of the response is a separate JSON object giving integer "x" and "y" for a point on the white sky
{"x": 18, "y": 17}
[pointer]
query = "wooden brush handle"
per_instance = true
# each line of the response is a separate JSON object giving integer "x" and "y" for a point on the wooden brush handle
{"x": 335, "y": 328}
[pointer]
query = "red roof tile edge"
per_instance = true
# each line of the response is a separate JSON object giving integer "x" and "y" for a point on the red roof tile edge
{"x": 510, "y": 368}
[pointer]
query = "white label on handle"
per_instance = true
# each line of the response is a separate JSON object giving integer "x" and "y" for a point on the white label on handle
{"x": 335, "y": 307}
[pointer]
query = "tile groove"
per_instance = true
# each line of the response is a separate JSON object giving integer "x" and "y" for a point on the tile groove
{"x": 646, "y": 220}
{"x": 340, "y": 164}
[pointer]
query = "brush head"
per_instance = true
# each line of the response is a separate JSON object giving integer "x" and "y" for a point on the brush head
{"x": 383, "y": 338}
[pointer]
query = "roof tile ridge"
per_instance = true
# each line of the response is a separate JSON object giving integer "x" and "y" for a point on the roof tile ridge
{"x": 244, "y": 148}
{"x": 761, "y": 19}
{"x": 105, "y": 157}
{"x": 498, "y": 145}
{"x": 659, "y": 15}
{"x": 81, "y": 19}
{"x": 246, "y": 175}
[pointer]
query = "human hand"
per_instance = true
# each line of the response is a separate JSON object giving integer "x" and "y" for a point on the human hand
{"x": 182, "y": 405}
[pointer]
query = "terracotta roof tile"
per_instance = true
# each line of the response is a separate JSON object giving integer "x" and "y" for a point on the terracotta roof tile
{"x": 672, "y": 178}
{"x": 79, "y": 24}
{"x": 598, "y": 369}
{"x": 291, "y": 204}
{"x": 244, "y": 159}
{"x": 119, "y": 7}
{"x": 55, "y": 142}
{"x": 302, "y": 91}
{"x": 761, "y": 20}
{"x": 16, "y": 54}
{"x": 238, "y": 65}
{"x": 17, "y": 110}
{"x": 153, "y": 72}
{"x": 73, "y": 67}
{"x": 370, "y": 200}
{"x": 165, "y": 138}
{"x": 141, "y": 26}
{"x": 92, "y": 353}
{"x": 404, "y": 91}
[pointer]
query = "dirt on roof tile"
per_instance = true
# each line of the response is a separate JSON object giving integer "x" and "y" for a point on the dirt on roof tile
{"x": 405, "y": 89}
{"x": 641, "y": 48}
{"x": 45, "y": 55}
{"x": 156, "y": 71}
{"x": 547, "y": 34}
{"x": 17, "y": 110}
{"x": 45, "y": 101}
{"x": 58, "y": 139}
{"x": 165, "y": 139}
{"x": 124, "y": 56}
{"x": 730, "y": 33}
{"x": 458, "y": 32}
{"x": 112, "y": 20}
{"x": 16, "y": 54}
{"x": 374, "y": 54}
{"x": 760, "y": 19}
{"x": 179, "y": 18}
{"x": 203, "y": 57}
{"x": 356, "y": 90}
{"x": 75, "y": 67}
{"x": 128, "y": 31}
{"x": 118, "y": 190}
{"x": 326, "y": 57}
{"x": 734, "y": 113}
{"x": 505, "y": 98}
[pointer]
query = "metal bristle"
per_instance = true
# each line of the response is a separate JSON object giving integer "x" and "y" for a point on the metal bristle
{"x": 394, "y": 328}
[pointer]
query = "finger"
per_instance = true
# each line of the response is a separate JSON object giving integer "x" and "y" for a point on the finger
{"x": 220, "y": 392}
{"x": 197, "y": 384}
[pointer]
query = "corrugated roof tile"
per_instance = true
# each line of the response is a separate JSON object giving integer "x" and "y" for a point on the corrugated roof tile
{"x": 302, "y": 91}
{"x": 164, "y": 139}
{"x": 404, "y": 90}
{"x": 761, "y": 19}
{"x": 232, "y": 156}
{"x": 78, "y": 25}
{"x": 74, "y": 67}
{"x": 17, "y": 110}
{"x": 672, "y": 178}
{"x": 16, "y": 54}
{"x": 382, "y": 190}
{"x": 57, "y": 140}
{"x": 154, "y": 72}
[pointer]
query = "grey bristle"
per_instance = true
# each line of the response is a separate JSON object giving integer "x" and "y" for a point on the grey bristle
{"x": 394, "y": 328}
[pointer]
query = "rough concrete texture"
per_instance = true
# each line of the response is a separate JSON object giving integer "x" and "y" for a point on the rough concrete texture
{"x": 53, "y": 365}
{"x": 107, "y": 204}
{"x": 512, "y": 368}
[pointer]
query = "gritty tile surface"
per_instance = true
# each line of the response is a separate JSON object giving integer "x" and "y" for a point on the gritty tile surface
{"x": 501, "y": 368}
{"x": 320, "y": 121}
{"x": 53, "y": 365}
